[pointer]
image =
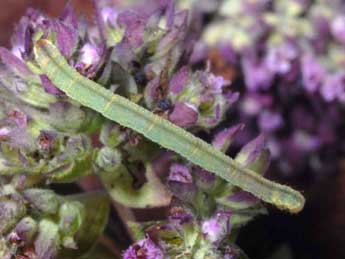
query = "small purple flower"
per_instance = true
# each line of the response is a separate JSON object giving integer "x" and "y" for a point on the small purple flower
{"x": 212, "y": 83}
{"x": 216, "y": 83}
{"x": 313, "y": 73}
{"x": 306, "y": 142}
{"x": 89, "y": 60}
{"x": 109, "y": 16}
{"x": 218, "y": 227}
{"x": 46, "y": 140}
{"x": 180, "y": 173}
{"x": 184, "y": 115}
{"x": 269, "y": 121}
{"x": 279, "y": 59}
{"x": 334, "y": 87}
{"x": 144, "y": 248}
{"x": 21, "y": 39}
{"x": 180, "y": 182}
{"x": 338, "y": 28}
{"x": 19, "y": 117}
{"x": 214, "y": 97}
{"x": 257, "y": 75}
{"x": 253, "y": 103}
{"x": 179, "y": 216}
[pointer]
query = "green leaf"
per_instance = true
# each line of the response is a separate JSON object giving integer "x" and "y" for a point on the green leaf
{"x": 96, "y": 211}
{"x": 151, "y": 194}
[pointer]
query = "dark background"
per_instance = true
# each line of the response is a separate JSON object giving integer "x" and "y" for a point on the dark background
{"x": 317, "y": 232}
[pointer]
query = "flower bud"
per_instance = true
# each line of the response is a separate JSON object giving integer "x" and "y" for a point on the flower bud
{"x": 108, "y": 159}
{"x": 26, "y": 229}
{"x": 218, "y": 227}
{"x": 238, "y": 200}
{"x": 11, "y": 210}
{"x": 71, "y": 217}
{"x": 255, "y": 155}
{"x": 111, "y": 135}
{"x": 184, "y": 115}
{"x": 46, "y": 201}
{"x": 223, "y": 139}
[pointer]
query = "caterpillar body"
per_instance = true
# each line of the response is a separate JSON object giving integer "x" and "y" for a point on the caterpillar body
{"x": 159, "y": 130}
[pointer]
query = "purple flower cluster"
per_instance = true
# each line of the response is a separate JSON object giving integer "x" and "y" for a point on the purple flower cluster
{"x": 291, "y": 58}
{"x": 182, "y": 235}
{"x": 192, "y": 226}
{"x": 287, "y": 45}
{"x": 144, "y": 248}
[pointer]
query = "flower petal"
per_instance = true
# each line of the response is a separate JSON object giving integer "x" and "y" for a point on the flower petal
{"x": 179, "y": 80}
{"x": 184, "y": 115}
{"x": 67, "y": 38}
{"x": 14, "y": 63}
{"x": 49, "y": 87}
{"x": 224, "y": 138}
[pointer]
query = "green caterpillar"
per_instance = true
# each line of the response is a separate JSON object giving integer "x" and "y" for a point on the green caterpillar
{"x": 159, "y": 130}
